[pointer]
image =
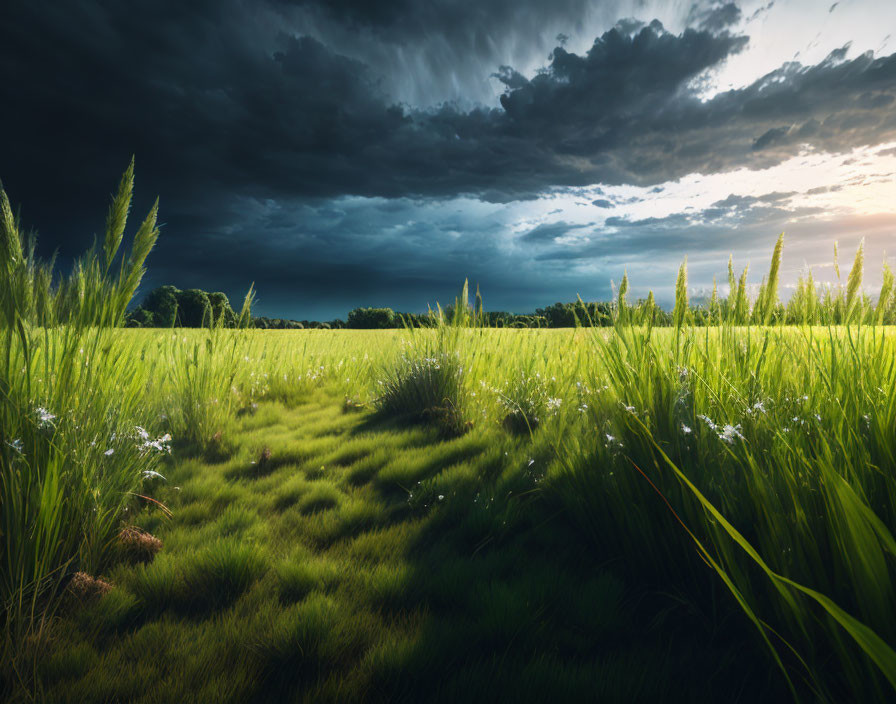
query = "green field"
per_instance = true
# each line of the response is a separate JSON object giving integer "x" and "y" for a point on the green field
{"x": 454, "y": 513}
{"x": 320, "y": 548}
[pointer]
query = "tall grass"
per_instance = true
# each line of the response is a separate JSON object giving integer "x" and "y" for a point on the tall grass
{"x": 427, "y": 382}
{"x": 767, "y": 459}
{"x": 201, "y": 393}
{"x": 74, "y": 445}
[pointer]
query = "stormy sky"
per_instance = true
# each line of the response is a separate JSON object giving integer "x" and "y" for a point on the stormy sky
{"x": 343, "y": 153}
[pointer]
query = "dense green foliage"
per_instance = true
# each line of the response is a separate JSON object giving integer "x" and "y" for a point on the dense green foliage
{"x": 167, "y": 307}
{"x": 371, "y": 318}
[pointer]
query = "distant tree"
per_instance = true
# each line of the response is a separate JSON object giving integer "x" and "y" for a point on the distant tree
{"x": 194, "y": 308}
{"x": 140, "y": 318}
{"x": 162, "y": 303}
{"x": 371, "y": 318}
{"x": 221, "y": 309}
{"x": 559, "y": 315}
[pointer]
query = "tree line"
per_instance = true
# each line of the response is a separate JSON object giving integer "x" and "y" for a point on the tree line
{"x": 811, "y": 303}
{"x": 168, "y": 306}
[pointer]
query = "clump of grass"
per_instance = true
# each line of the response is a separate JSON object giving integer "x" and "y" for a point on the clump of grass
{"x": 157, "y": 585}
{"x": 297, "y": 578}
{"x": 313, "y": 635}
{"x": 425, "y": 388}
{"x": 116, "y": 610}
{"x": 203, "y": 369}
{"x": 525, "y": 401}
{"x": 198, "y": 582}
{"x": 320, "y": 497}
{"x": 215, "y": 577}
{"x": 290, "y": 492}
{"x": 428, "y": 381}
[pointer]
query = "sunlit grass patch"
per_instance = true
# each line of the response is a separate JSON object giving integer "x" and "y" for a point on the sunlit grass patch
{"x": 352, "y": 451}
{"x": 198, "y": 581}
{"x": 220, "y": 573}
{"x": 236, "y": 520}
{"x": 364, "y": 469}
{"x": 159, "y": 584}
{"x": 386, "y": 544}
{"x": 290, "y": 491}
{"x": 322, "y": 496}
{"x": 118, "y": 610}
{"x": 300, "y": 575}
{"x": 359, "y": 512}
{"x": 212, "y": 489}
{"x": 388, "y": 586}
{"x": 421, "y": 463}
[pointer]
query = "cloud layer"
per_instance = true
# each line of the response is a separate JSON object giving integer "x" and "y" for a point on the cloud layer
{"x": 235, "y": 110}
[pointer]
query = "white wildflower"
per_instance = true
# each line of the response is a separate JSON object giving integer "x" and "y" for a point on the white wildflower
{"x": 730, "y": 433}
{"x": 708, "y": 421}
{"x": 44, "y": 417}
{"x": 109, "y": 452}
{"x": 685, "y": 429}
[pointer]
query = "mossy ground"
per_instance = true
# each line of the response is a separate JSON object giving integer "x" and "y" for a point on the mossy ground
{"x": 360, "y": 559}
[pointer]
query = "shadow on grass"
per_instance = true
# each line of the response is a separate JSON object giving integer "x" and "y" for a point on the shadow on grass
{"x": 493, "y": 597}
{"x": 424, "y": 570}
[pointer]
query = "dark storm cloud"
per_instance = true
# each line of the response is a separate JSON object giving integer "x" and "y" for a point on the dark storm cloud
{"x": 212, "y": 104}
{"x": 716, "y": 17}
{"x": 456, "y": 19}
{"x": 322, "y": 260}
{"x": 228, "y": 105}
{"x": 740, "y": 202}
{"x": 736, "y": 224}
{"x": 549, "y": 232}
